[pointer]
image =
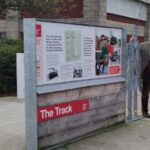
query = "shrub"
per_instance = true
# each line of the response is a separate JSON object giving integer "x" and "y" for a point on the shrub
{"x": 8, "y": 50}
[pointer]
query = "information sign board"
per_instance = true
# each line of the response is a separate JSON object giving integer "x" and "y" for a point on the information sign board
{"x": 67, "y": 52}
{"x": 66, "y": 67}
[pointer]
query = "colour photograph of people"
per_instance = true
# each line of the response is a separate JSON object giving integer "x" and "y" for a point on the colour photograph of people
{"x": 108, "y": 48}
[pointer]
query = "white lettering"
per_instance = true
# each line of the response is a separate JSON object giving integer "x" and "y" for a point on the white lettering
{"x": 62, "y": 111}
{"x": 47, "y": 114}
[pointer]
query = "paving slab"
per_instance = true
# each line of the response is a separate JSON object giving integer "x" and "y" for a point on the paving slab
{"x": 12, "y": 124}
{"x": 133, "y": 136}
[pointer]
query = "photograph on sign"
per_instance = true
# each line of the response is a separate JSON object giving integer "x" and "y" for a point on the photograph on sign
{"x": 108, "y": 51}
{"x": 68, "y": 52}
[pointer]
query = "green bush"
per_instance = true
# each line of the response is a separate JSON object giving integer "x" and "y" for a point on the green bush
{"x": 8, "y": 50}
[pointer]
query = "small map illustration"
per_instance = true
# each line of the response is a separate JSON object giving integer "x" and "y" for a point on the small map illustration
{"x": 73, "y": 45}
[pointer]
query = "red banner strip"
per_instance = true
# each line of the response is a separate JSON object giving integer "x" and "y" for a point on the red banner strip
{"x": 60, "y": 110}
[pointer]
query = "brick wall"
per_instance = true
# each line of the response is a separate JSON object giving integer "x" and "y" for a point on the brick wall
{"x": 147, "y": 27}
{"x": 57, "y": 9}
{"x": 84, "y": 11}
{"x": 94, "y": 13}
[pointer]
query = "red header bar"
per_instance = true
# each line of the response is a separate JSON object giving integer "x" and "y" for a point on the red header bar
{"x": 60, "y": 110}
{"x": 38, "y": 30}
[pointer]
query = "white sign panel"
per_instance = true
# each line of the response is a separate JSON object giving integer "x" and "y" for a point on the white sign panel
{"x": 74, "y": 52}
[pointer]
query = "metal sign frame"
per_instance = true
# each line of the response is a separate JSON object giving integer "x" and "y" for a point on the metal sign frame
{"x": 32, "y": 90}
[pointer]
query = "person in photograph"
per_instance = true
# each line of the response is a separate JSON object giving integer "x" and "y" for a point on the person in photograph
{"x": 104, "y": 49}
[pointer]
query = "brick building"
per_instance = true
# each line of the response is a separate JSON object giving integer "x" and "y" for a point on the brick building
{"x": 114, "y": 13}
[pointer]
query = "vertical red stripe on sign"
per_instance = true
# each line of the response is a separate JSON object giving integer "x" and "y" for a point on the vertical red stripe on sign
{"x": 38, "y": 30}
{"x": 114, "y": 69}
{"x": 60, "y": 110}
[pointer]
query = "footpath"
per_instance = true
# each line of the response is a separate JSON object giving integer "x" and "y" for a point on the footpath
{"x": 131, "y": 136}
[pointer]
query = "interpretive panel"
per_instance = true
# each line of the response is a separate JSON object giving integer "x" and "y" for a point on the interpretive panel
{"x": 73, "y": 52}
{"x": 68, "y": 52}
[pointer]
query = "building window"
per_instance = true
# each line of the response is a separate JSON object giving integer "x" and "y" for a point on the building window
{"x": 2, "y": 35}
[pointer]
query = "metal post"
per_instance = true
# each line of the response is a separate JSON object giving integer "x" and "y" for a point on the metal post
{"x": 30, "y": 84}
